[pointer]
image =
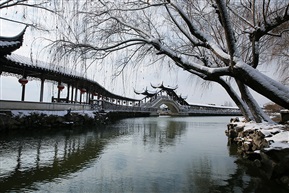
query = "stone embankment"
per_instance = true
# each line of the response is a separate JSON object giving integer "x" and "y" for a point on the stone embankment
{"x": 39, "y": 120}
{"x": 265, "y": 145}
{"x": 31, "y": 120}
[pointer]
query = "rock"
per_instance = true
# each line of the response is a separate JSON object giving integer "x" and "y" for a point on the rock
{"x": 232, "y": 133}
{"x": 236, "y": 119}
{"x": 268, "y": 165}
{"x": 247, "y": 146}
{"x": 37, "y": 121}
{"x": 252, "y": 144}
{"x": 239, "y": 128}
{"x": 257, "y": 163}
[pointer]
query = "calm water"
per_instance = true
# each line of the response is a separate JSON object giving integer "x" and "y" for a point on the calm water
{"x": 155, "y": 154}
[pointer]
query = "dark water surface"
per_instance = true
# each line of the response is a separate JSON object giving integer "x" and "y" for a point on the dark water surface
{"x": 154, "y": 154}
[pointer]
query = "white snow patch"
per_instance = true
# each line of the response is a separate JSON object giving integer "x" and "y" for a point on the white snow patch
{"x": 284, "y": 111}
{"x": 280, "y": 140}
{"x": 275, "y": 133}
{"x": 22, "y": 113}
{"x": 8, "y": 43}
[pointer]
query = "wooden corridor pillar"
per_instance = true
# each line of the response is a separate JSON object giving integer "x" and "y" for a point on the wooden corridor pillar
{"x": 41, "y": 89}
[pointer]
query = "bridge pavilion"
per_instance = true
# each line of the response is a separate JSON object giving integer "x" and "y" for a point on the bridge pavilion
{"x": 162, "y": 90}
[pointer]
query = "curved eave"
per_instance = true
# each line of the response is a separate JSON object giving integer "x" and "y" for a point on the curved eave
{"x": 183, "y": 97}
{"x": 146, "y": 93}
{"x": 10, "y": 44}
{"x": 9, "y": 47}
{"x": 18, "y": 37}
{"x": 161, "y": 86}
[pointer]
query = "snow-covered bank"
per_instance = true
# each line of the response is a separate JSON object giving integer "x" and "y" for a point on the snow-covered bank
{"x": 277, "y": 135}
{"x": 23, "y": 120}
{"x": 18, "y": 120}
{"x": 266, "y": 145}
{"x": 55, "y": 113}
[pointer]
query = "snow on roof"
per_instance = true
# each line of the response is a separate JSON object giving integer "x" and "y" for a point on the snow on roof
{"x": 37, "y": 63}
{"x": 284, "y": 111}
{"x": 8, "y": 43}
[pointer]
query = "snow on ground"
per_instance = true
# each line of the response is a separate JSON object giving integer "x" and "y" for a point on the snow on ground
{"x": 56, "y": 113}
{"x": 275, "y": 133}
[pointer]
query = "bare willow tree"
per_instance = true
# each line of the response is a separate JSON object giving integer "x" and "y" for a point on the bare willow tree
{"x": 29, "y": 3}
{"x": 40, "y": 4}
{"x": 217, "y": 40}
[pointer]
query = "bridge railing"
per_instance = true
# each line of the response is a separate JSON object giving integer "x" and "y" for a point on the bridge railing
{"x": 26, "y": 105}
{"x": 189, "y": 109}
{"x": 214, "y": 110}
{"x": 108, "y": 106}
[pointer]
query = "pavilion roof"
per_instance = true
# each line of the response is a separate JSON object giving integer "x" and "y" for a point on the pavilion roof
{"x": 146, "y": 92}
{"x": 10, "y": 44}
{"x": 162, "y": 87}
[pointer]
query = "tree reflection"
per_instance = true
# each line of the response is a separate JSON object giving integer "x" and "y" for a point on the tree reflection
{"x": 200, "y": 177}
{"x": 245, "y": 179}
{"x": 248, "y": 178}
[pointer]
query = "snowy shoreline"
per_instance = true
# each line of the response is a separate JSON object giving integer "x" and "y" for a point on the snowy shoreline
{"x": 276, "y": 134}
{"x": 266, "y": 145}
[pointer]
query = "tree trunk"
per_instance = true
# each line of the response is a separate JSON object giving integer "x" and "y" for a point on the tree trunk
{"x": 238, "y": 101}
{"x": 262, "y": 84}
{"x": 254, "y": 107}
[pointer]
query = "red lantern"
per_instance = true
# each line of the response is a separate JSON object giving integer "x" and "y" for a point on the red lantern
{"x": 23, "y": 81}
{"x": 95, "y": 94}
{"x": 60, "y": 87}
{"x": 82, "y": 90}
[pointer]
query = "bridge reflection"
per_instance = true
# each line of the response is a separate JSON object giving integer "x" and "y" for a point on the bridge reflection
{"x": 45, "y": 159}
{"x": 163, "y": 133}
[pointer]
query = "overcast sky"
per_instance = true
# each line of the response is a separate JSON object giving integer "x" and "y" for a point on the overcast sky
{"x": 137, "y": 78}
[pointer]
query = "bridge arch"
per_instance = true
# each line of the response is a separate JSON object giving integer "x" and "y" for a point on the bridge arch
{"x": 172, "y": 105}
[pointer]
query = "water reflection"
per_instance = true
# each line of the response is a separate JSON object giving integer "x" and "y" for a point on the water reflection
{"x": 163, "y": 133}
{"x": 43, "y": 159}
{"x": 247, "y": 178}
{"x": 133, "y": 155}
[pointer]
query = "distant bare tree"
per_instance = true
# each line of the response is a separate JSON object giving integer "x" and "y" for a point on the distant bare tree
{"x": 217, "y": 40}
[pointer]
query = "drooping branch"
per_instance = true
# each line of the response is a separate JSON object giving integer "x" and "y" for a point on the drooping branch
{"x": 25, "y": 3}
